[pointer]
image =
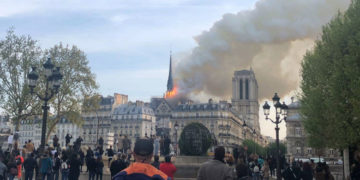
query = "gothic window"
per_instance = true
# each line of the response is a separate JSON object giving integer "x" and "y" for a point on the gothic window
{"x": 241, "y": 88}
{"x": 247, "y": 88}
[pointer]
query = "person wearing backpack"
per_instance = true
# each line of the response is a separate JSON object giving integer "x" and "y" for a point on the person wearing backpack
{"x": 29, "y": 166}
{"x": 46, "y": 166}
{"x": 11, "y": 166}
{"x": 256, "y": 171}
{"x": 56, "y": 166}
{"x": 65, "y": 169}
{"x": 19, "y": 161}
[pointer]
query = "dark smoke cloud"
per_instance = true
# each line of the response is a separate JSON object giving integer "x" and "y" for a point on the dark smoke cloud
{"x": 271, "y": 38}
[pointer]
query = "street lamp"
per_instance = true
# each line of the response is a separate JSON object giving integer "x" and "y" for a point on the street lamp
{"x": 176, "y": 126}
{"x": 281, "y": 110}
{"x": 53, "y": 79}
{"x": 254, "y": 132}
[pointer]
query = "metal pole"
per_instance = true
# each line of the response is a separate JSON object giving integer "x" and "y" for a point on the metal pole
{"x": 278, "y": 172}
{"x": 45, "y": 107}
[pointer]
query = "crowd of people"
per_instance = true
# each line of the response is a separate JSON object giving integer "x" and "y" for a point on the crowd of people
{"x": 142, "y": 162}
{"x": 52, "y": 162}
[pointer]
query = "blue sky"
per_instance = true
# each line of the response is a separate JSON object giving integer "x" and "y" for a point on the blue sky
{"x": 126, "y": 42}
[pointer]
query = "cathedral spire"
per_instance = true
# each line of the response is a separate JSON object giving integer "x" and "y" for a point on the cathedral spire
{"x": 170, "y": 82}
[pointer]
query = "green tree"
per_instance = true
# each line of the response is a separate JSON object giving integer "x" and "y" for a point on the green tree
{"x": 254, "y": 148}
{"x": 271, "y": 149}
{"x": 78, "y": 82}
{"x": 17, "y": 54}
{"x": 331, "y": 85}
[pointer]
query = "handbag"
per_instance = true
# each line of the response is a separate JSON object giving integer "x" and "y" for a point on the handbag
{"x": 14, "y": 171}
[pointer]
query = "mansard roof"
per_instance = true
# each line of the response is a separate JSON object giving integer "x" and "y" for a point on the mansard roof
{"x": 294, "y": 105}
{"x": 295, "y": 117}
{"x": 203, "y": 107}
{"x": 132, "y": 109}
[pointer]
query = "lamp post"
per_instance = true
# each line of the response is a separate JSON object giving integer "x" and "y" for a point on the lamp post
{"x": 254, "y": 132}
{"x": 281, "y": 110}
{"x": 176, "y": 126}
{"x": 52, "y": 78}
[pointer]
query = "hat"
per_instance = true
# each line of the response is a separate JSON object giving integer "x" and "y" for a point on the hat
{"x": 143, "y": 147}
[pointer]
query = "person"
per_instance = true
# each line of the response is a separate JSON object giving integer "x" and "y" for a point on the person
{"x": 236, "y": 154}
{"x": 55, "y": 142}
{"x": 56, "y": 166}
{"x": 307, "y": 172}
{"x": 65, "y": 169}
{"x": 156, "y": 145}
{"x": 120, "y": 144}
{"x": 101, "y": 142}
{"x": 292, "y": 172}
{"x": 91, "y": 165}
{"x": 167, "y": 167}
{"x": 161, "y": 145}
{"x": 126, "y": 144}
{"x": 265, "y": 171}
{"x": 82, "y": 159}
{"x": 242, "y": 171}
{"x": 12, "y": 168}
{"x": 30, "y": 147}
{"x": 67, "y": 139}
{"x": 29, "y": 166}
{"x": 77, "y": 144}
{"x": 255, "y": 170}
{"x": 3, "y": 168}
{"x": 167, "y": 143}
{"x": 10, "y": 141}
{"x": 45, "y": 166}
{"x": 215, "y": 169}
{"x": 99, "y": 168}
{"x": 19, "y": 162}
{"x": 156, "y": 162}
{"x": 141, "y": 169}
{"x": 74, "y": 172}
{"x": 116, "y": 166}
{"x": 110, "y": 154}
{"x": 89, "y": 155}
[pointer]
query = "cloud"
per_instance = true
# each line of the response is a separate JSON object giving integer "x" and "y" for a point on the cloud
{"x": 271, "y": 38}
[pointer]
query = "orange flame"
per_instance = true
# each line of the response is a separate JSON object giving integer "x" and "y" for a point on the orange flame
{"x": 172, "y": 93}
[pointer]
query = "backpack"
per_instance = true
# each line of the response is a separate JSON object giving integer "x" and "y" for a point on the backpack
{"x": 18, "y": 161}
{"x": 256, "y": 169}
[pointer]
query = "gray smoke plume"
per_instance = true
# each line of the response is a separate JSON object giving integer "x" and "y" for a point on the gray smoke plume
{"x": 271, "y": 38}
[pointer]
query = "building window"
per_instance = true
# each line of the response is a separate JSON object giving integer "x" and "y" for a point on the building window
{"x": 298, "y": 150}
{"x": 241, "y": 88}
{"x": 331, "y": 152}
{"x": 309, "y": 151}
{"x": 247, "y": 88}
{"x": 298, "y": 131}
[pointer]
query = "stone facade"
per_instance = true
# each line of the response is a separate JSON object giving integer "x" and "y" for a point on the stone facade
{"x": 245, "y": 97}
{"x": 133, "y": 120}
{"x": 31, "y": 129}
{"x": 219, "y": 118}
{"x": 297, "y": 147}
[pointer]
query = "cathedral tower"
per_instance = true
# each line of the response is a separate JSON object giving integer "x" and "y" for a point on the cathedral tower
{"x": 245, "y": 97}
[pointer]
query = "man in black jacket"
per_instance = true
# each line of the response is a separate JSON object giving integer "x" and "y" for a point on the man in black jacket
{"x": 92, "y": 168}
{"x": 67, "y": 139}
{"x": 118, "y": 165}
{"x": 29, "y": 165}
